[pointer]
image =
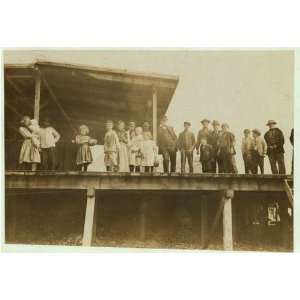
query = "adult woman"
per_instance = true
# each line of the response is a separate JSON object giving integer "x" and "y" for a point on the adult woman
{"x": 29, "y": 153}
{"x": 123, "y": 150}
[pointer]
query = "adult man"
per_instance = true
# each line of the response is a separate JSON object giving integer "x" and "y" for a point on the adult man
{"x": 246, "y": 147}
{"x": 203, "y": 133}
{"x": 186, "y": 145}
{"x": 167, "y": 144}
{"x": 275, "y": 151}
{"x": 213, "y": 140}
{"x": 292, "y": 142}
{"x": 227, "y": 150}
{"x": 258, "y": 152}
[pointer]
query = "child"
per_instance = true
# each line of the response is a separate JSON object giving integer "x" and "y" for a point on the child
{"x": 246, "y": 151}
{"x": 84, "y": 153}
{"x": 206, "y": 156}
{"x": 48, "y": 137}
{"x": 259, "y": 150}
{"x": 35, "y": 129}
{"x": 149, "y": 152}
{"x": 29, "y": 153}
{"x": 135, "y": 144}
{"x": 111, "y": 148}
{"x": 123, "y": 151}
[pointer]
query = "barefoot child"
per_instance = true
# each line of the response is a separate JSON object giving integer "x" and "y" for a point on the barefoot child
{"x": 111, "y": 148}
{"x": 84, "y": 154}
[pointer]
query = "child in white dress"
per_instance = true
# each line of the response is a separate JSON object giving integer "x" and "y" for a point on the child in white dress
{"x": 149, "y": 153}
{"x": 135, "y": 157}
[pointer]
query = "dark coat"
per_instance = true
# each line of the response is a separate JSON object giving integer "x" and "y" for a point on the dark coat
{"x": 292, "y": 137}
{"x": 203, "y": 133}
{"x": 186, "y": 141}
{"x": 275, "y": 141}
{"x": 166, "y": 139}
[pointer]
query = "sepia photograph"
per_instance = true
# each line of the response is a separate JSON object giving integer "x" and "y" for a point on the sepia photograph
{"x": 149, "y": 148}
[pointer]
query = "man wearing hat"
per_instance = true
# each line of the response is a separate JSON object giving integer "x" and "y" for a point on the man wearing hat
{"x": 186, "y": 144}
{"x": 203, "y": 133}
{"x": 214, "y": 138}
{"x": 259, "y": 150}
{"x": 275, "y": 151}
{"x": 167, "y": 144}
{"x": 246, "y": 151}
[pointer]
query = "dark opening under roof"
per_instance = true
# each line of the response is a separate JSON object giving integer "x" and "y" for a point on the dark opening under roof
{"x": 88, "y": 95}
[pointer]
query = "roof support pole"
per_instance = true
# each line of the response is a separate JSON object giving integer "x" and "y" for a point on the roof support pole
{"x": 37, "y": 96}
{"x": 154, "y": 113}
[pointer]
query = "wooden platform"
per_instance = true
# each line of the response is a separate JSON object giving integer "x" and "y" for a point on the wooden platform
{"x": 226, "y": 184}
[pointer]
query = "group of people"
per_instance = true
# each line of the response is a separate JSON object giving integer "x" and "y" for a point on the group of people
{"x": 132, "y": 148}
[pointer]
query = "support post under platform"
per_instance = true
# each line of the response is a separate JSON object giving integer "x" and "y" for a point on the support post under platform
{"x": 89, "y": 231}
{"x": 227, "y": 221}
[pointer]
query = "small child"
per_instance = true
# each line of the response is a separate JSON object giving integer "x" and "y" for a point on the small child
{"x": 135, "y": 157}
{"x": 111, "y": 148}
{"x": 84, "y": 154}
{"x": 206, "y": 156}
{"x": 35, "y": 129}
{"x": 49, "y": 137}
{"x": 149, "y": 152}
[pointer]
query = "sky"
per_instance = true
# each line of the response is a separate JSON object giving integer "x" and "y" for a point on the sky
{"x": 242, "y": 88}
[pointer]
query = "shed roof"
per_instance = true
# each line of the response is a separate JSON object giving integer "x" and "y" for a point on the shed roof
{"x": 89, "y": 95}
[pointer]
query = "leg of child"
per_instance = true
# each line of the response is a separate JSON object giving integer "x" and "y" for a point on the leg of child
{"x": 147, "y": 169}
{"x": 85, "y": 167}
{"x": 137, "y": 169}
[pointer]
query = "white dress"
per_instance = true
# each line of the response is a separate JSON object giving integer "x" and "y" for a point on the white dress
{"x": 135, "y": 157}
{"x": 149, "y": 153}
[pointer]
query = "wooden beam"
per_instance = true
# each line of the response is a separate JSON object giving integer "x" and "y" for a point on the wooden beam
{"x": 204, "y": 218}
{"x": 215, "y": 223}
{"x": 154, "y": 113}
{"x": 37, "y": 97}
{"x": 289, "y": 193}
{"x": 56, "y": 101}
{"x": 90, "y": 225}
{"x": 14, "y": 86}
{"x": 227, "y": 221}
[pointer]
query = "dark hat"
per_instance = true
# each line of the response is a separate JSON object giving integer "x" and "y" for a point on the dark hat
{"x": 215, "y": 122}
{"x": 246, "y": 130}
{"x": 205, "y": 121}
{"x": 187, "y": 123}
{"x": 256, "y": 131}
{"x": 270, "y": 122}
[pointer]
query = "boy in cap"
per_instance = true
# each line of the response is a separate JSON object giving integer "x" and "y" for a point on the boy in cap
{"x": 214, "y": 139}
{"x": 259, "y": 150}
{"x": 167, "y": 143}
{"x": 186, "y": 145}
{"x": 275, "y": 151}
{"x": 206, "y": 156}
{"x": 246, "y": 151}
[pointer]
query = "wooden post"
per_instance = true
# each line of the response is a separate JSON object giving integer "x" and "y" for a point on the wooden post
{"x": 227, "y": 221}
{"x": 154, "y": 113}
{"x": 89, "y": 231}
{"x": 204, "y": 217}
{"x": 37, "y": 97}
{"x": 143, "y": 219}
{"x": 12, "y": 218}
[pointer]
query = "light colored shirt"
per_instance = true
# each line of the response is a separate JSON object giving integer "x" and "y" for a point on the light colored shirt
{"x": 246, "y": 145}
{"x": 49, "y": 137}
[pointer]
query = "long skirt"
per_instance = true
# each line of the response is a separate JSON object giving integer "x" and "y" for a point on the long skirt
{"x": 29, "y": 153}
{"x": 84, "y": 155}
{"x": 123, "y": 158}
